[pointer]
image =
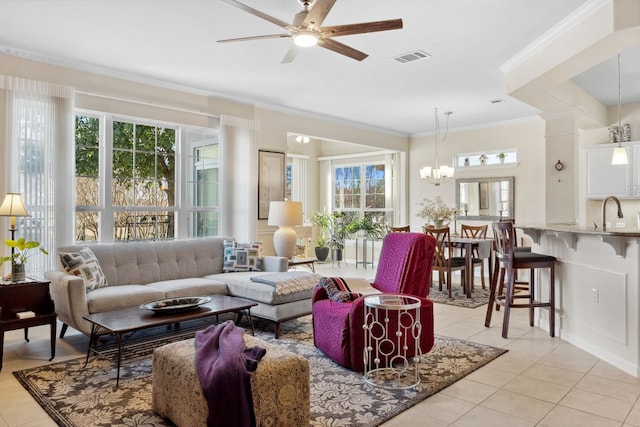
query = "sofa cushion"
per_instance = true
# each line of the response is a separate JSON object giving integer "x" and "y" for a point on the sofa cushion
{"x": 84, "y": 263}
{"x": 241, "y": 256}
{"x": 139, "y": 263}
{"x": 241, "y": 286}
{"x": 117, "y": 297}
{"x": 193, "y": 287}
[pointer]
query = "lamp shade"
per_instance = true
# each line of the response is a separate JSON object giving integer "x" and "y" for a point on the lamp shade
{"x": 285, "y": 213}
{"x": 13, "y": 206}
{"x": 619, "y": 156}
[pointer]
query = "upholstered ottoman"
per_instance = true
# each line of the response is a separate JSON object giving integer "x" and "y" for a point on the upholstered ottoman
{"x": 280, "y": 386}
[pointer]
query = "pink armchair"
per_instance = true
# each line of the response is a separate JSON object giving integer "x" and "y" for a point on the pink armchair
{"x": 404, "y": 267}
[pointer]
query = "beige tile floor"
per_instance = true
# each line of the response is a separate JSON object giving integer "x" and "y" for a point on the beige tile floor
{"x": 541, "y": 381}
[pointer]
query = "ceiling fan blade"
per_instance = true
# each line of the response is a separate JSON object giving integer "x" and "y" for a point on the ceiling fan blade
{"x": 291, "y": 53}
{"x": 242, "y": 39}
{"x": 342, "y": 49}
{"x": 259, "y": 14}
{"x": 364, "y": 27}
{"x": 318, "y": 13}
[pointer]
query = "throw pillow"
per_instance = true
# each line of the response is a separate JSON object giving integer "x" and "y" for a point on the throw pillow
{"x": 84, "y": 264}
{"x": 340, "y": 289}
{"x": 242, "y": 256}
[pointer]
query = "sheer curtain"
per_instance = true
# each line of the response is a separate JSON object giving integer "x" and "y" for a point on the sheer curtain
{"x": 299, "y": 191}
{"x": 39, "y": 163}
{"x": 239, "y": 178}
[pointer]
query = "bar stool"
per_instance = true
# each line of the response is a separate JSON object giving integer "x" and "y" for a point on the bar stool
{"x": 510, "y": 261}
{"x": 476, "y": 232}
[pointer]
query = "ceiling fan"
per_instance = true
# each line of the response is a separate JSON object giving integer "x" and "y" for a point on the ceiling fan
{"x": 306, "y": 29}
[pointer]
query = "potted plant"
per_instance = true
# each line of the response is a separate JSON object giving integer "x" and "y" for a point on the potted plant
{"x": 22, "y": 250}
{"x": 501, "y": 157}
{"x": 338, "y": 234}
{"x": 366, "y": 226}
{"x": 324, "y": 222}
{"x": 436, "y": 211}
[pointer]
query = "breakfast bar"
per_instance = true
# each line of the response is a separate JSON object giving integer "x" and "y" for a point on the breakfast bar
{"x": 597, "y": 282}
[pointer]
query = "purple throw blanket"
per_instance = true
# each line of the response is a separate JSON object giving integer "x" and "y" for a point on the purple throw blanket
{"x": 224, "y": 367}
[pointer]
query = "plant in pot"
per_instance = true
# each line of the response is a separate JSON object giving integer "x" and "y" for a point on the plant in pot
{"x": 436, "y": 211}
{"x": 366, "y": 227}
{"x": 22, "y": 250}
{"x": 338, "y": 234}
{"x": 324, "y": 222}
{"x": 501, "y": 157}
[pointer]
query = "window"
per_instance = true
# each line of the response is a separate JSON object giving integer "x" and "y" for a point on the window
{"x": 361, "y": 190}
{"x": 127, "y": 179}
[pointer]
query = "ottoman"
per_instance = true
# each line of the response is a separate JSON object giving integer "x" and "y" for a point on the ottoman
{"x": 280, "y": 386}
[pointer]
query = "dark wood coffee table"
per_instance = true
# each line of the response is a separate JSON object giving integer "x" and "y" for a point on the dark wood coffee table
{"x": 120, "y": 322}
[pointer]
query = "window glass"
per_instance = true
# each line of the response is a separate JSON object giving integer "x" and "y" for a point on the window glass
{"x": 141, "y": 188}
{"x": 203, "y": 177}
{"x": 349, "y": 184}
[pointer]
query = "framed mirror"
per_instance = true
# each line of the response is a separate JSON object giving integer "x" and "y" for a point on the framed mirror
{"x": 487, "y": 199}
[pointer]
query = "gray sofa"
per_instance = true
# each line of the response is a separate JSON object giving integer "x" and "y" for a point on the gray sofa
{"x": 141, "y": 272}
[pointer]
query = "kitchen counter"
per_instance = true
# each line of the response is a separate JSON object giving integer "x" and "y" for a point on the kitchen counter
{"x": 597, "y": 289}
{"x": 617, "y": 238}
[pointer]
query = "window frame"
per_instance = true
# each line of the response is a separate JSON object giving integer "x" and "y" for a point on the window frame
{"x": 106, "y": 210}
{"x": 362, "y": 210}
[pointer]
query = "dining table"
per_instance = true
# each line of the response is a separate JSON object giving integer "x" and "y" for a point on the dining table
{"x": 468, "y": 245}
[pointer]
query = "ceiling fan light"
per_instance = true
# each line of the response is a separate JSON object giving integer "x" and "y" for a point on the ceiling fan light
{"x": 305, "y": 38}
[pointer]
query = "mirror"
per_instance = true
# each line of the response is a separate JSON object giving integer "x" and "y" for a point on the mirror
{"x": 485, "y": 198}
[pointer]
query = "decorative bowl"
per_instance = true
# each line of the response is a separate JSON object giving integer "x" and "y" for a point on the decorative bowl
{"x": 175, "y": 305}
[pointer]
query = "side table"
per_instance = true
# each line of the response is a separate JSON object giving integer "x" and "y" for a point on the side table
{"x": 26, "y": 296}
{"x": 391, "y": 327}
{"x": 364, "y": 261}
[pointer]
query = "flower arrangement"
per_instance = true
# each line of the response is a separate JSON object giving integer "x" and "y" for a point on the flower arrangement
{"x": 23, "y": 250}
{"x": 435, "y": 210}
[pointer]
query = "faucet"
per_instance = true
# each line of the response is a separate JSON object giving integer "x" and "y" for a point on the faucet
{"x": 604, "y": 211}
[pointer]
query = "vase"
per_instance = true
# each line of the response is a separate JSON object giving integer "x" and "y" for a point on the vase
{"x": 17, "y": 272}
{"x": 438, "y": 223}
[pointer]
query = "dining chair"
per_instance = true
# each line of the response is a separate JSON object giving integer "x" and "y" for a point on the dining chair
{"x": 509, "y": 261}
{"x": 443, "y": 260}
{"x": 476, "y": 232}
{"x": 405, "y": 229}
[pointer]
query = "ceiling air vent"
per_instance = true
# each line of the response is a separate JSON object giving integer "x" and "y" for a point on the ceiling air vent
{"x": 412, "y": 56}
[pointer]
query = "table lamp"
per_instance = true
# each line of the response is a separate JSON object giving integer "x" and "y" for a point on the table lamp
{"x": 13, "y": 206}
{"x": 285, "y": 214}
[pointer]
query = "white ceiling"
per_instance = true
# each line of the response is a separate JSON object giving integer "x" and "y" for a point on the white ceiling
{"x": 174, "y": 42}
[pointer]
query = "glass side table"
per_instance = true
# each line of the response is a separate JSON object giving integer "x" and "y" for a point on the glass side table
{"x": 391, "y": 329}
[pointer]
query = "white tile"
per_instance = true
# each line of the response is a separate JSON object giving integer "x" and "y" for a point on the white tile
{"x": 518, "y": 405}
{"x": 537, "y": 389}
{"x": 485, "y": 417}
{"x": 597, "y": 404}
{"x": 567, "y": 417}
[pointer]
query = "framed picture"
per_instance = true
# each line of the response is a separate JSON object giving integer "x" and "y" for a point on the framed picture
{"x": 271, "y": 169}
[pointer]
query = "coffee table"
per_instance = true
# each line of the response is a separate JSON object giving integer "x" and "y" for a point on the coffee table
{"x": 120, "y": 322}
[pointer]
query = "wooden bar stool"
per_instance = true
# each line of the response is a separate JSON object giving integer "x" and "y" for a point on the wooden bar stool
{"x": 476, "y": 232}
{"x": 508, "y": 262}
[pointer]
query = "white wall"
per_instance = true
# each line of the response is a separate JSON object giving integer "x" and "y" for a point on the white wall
{"x": 527, "y": 137}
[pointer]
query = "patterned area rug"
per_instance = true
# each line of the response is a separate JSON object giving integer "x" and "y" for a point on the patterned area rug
{"x": 479, "y": 296}
{"x": 77, "y": 396}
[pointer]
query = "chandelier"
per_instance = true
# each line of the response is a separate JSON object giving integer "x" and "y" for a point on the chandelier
{"x": 438, "y": 174}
